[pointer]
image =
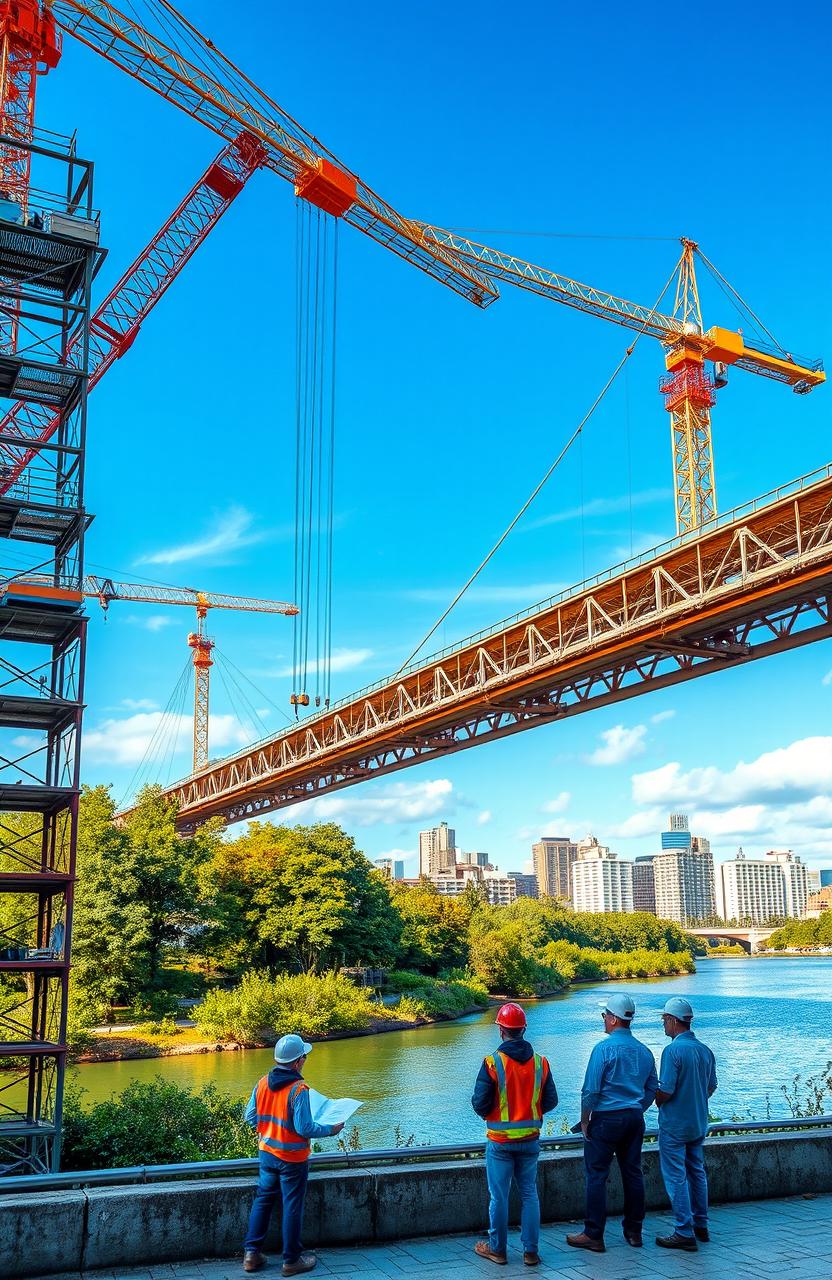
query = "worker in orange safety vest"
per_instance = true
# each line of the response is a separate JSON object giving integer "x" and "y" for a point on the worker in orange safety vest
{"x": 278, "y": 1110}
{"x": 513, "y": 1092}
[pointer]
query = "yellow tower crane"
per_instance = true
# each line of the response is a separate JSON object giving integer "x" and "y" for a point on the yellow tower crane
{"x": 689, "y": 391}
{"x": 106, "y": 590}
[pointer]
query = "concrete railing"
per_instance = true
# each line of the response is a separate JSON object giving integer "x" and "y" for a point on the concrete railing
{"x": 396, "y": 1195}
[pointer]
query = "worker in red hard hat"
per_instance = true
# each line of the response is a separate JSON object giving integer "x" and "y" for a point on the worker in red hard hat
{"x": 513, "y": 1092}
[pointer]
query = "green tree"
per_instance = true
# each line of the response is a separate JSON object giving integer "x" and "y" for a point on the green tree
{"x": 435, "y": 928}
{"x": 303, "y": 896}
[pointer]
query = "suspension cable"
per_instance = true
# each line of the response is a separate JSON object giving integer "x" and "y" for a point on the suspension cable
{"x": 742, "y": 305}
{"x": 552, "y": 469}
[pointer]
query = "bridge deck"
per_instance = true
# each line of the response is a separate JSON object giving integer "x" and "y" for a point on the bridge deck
{"x": 754, "y": 582}
{"x": 749, "y": 1240}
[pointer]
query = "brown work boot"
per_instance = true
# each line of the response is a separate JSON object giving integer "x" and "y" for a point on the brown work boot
{"x": 702, "y": 1234}
{"x": 583, "y": 1241}
{"x": 253, "y": 1260}
{"x": 531, "y": 1259}
{"x": 306, "y": 1262}
{"x": 483, "y": 1250}
{"x": 688, "y": 1243}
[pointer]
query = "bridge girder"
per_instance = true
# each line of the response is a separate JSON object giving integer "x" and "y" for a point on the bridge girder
{"x": 754, "y": 583}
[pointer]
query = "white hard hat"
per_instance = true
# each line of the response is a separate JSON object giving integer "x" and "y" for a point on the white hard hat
{"x": 290, "y": 1048}
{"x": 620, "y": 1005}
{"x": 679, "y": 1007}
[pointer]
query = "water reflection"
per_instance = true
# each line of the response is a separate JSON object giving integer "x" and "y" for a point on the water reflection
{"x": 765, "y": 1019}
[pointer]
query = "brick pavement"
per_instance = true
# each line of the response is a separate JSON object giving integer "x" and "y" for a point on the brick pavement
{"x": 757, "y": 1239}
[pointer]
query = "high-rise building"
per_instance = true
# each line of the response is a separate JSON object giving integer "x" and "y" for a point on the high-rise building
{"x": 599, "y": 881}
{"x": 684, "y": 885}
{"x": 678, "y": 837}
{"x": 437, "y": 850}
{"x": 385, "y": 866}
{"x": 526, "y": 884}
{"x": 813, "y": 880}
{"x": 500, "y": 890}
{"x": 757, "y": 890}
{"x": 644, "y": 884}
{"x": 553, "y": 858}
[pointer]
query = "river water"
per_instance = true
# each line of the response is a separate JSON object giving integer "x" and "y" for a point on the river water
{"x": 765, "y": 1019}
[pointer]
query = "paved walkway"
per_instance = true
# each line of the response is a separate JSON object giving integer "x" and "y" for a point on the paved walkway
{"x": 752, "y": 1241}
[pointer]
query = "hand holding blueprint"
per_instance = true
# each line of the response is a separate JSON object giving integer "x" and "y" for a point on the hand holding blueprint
{"x": 331, "y": 1110}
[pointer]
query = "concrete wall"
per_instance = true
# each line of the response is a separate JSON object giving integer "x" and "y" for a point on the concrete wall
{"x": 50, "y": 1233}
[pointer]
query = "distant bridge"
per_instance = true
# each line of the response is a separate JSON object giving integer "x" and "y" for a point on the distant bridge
{"x": 754, "y": 582}
{"x": 749, "y": 938}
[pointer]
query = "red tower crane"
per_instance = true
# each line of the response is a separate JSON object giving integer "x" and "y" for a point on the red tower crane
{"x": 29, "y": 46}
{"x": 104, "y": 590}
{"x": 27, "y": 427}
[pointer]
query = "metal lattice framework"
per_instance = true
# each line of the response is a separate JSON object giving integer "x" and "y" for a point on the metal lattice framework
{"x": 757, "y": 581}
{"x": 226, "y": 101}
{"x": 27, "y": 427}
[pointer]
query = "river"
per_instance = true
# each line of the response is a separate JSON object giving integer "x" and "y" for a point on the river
{"x": 766, "y": 1020}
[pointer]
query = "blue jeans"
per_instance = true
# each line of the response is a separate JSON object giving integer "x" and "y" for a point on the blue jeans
{"x": 285, "y": 1179}
{"x": 683, "y": 1170}
{"x": 504, "y": 1161}
{"x": 614, "y": 1134}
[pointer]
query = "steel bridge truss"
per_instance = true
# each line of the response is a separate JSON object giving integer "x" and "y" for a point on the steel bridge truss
{"x": 757, "y": 581}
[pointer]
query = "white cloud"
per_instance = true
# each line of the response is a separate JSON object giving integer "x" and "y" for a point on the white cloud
{"x": 558, "y": 805}
{"x": 484, "y": 817}
{"x": 799, "y": 771}
{"x": 514, "y": 593}
{"x": 150, "y": 621}
{"x": 139, "y": 704}
{"x": 827, "y": 679}
{"x": 341, "y": 660}
{"x": 619, "y": 744}
{"x": 231, "y": 531}
{"x": 397, "y": 802}
{"x": 125, "y": 741}
{"x": 661, "y": 716}
{"x": 603, "y": 507}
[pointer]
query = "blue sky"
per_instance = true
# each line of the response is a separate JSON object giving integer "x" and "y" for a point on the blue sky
{"x": 629, "y": 129}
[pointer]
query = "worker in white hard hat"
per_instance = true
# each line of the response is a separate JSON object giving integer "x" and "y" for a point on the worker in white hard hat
{"x": 279, "y": 1111}
{"x": 687, "y": 1078}
{"x": 619, "y": 1086}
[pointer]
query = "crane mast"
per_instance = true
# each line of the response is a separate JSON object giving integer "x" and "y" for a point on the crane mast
{"x": 689, "y": 391}
{"x": 104, "y": 590}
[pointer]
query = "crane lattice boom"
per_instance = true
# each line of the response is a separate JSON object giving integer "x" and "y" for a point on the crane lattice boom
{"x": 27, "y": 426}
{"x": 230, "y": 102}
{"x": 105, "y": 590}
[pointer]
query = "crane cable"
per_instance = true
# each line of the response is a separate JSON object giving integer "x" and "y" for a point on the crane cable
{"x": 316, "y": 315}
{"x": 576, "y": 434}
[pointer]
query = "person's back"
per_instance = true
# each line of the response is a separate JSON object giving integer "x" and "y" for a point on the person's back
{"x": 623, "y": 1068}
{"x": 687, "y": 1078}
{"x": 619, "y": 1085}
{"x": 513, "y": 1091}
{"x": 688, "y": 1074}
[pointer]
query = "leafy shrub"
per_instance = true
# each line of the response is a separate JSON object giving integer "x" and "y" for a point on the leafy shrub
{"x": 158, "y": 1123}
{"x": 437, "y": 997}
{"x": 262, "y": 1007}
{"x": 505, "y": 961}
{"x": 164, "y": 1027}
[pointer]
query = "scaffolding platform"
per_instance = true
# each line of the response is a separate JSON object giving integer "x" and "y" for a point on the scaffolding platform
{"x": 39, "y": 258}
{"x": 47, "y": 883}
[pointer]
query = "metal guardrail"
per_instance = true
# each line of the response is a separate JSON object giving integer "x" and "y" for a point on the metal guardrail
{"x": 143, "y": 1174}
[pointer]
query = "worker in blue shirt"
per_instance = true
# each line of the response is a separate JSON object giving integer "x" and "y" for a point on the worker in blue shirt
{"x": 619, "y": 1086}
{"x": 687, "y": 1078}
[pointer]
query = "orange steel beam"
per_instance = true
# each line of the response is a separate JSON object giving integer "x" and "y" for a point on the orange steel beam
{"x": 755, "y": 582}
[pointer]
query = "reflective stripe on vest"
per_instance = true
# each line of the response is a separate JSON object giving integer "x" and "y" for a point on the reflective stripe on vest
{"x": 275, "y": 1130}
{"x": 526, "y": 1079}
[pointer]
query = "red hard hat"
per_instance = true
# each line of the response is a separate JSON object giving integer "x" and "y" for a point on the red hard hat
{"x": 511, "y": 1016}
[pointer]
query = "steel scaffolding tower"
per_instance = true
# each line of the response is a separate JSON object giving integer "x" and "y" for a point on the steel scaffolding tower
{"x": 49, "y": 254}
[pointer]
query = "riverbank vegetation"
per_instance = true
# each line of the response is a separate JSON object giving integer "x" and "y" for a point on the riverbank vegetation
{"x": 260, "y": 928}
{"x": 803, "y": 935}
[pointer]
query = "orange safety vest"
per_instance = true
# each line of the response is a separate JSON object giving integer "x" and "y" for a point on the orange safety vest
{"x": 516, "y": 1115}
{"x": 275, "y": 1132}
